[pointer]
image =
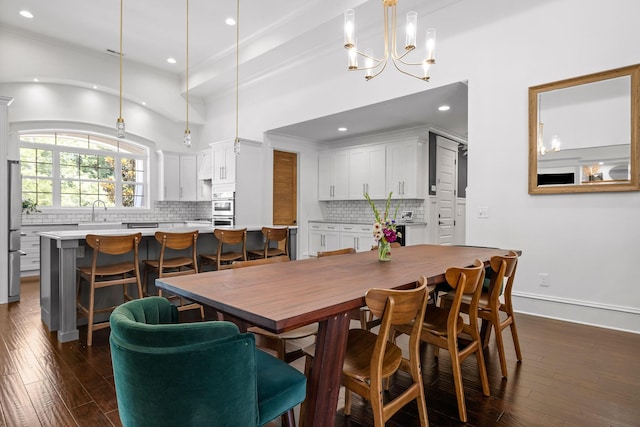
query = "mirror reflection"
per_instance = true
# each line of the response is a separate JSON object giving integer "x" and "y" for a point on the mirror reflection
{"x": 584, "y": 134}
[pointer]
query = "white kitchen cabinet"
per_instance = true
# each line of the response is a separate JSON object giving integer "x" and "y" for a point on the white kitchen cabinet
{"x": 30, "y": 245}
{"x": 333, "y": 175}
{"x": 367, "y": 166}
{"x": 224, "y": 163}
{"x": 357, "y": 236}
{"x": 179, "y": 177}
{"x": 406, "y": 169}
{"x": 323, "y": 237}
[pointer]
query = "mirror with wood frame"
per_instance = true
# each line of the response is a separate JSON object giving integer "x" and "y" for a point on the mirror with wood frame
{"x": 584, "y": 133}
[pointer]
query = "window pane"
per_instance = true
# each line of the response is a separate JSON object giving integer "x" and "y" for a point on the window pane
{"x": 72, "y": 140}
{"x": 132, "y": 195}
{"x": 38, "y": 139}
{"x": 102, "y": 144}
{"x": 70, "y": 200}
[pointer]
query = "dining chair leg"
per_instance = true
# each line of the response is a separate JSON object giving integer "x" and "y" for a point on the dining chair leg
{"x": 457, "y": 380}
{"x": 482, "y": 368}
{"x": 514, "y": 335}
{"x": 90, "y": 315}
{"x": 500, "y": 344}
{"x": 347, "y": 402}
{"x": 288, "y": 419}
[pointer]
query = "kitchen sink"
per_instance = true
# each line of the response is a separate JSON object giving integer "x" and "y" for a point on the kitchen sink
{"x": 105, "y": 225}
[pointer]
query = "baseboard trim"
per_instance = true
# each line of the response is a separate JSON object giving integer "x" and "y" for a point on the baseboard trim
{"x": 608, "y": 316}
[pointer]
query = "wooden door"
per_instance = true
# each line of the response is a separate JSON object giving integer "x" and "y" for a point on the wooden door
{"x": 285, "y": 188}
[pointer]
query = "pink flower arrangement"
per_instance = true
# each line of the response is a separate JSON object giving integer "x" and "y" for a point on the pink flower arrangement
{"x": 384, "y": 228}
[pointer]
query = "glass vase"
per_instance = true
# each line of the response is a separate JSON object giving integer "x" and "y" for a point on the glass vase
{"x": 384, "y": 251}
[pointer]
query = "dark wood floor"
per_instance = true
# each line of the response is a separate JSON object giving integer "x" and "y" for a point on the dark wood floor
{"x": 572, "y": 375}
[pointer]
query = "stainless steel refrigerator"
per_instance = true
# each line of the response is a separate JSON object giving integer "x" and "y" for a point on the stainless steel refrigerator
{"x": 15, "y": 223}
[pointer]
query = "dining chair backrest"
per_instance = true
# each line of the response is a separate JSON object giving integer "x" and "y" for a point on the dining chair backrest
{"x": 177, "y": 242}
{"x": 337, "y": 252}
{"x": 503, "y": 267}
{"x": 113, "y": 245}
{"x": 260, "y": 261}
{"x": 465, "y": 281}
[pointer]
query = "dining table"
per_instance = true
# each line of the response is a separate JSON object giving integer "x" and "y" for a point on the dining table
{"x": 283, "y": 296}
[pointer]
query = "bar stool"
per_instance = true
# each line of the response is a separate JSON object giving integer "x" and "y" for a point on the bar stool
{"x": 226, "y": 237}
{"x": 101, "y": 276}
{"x": 175, "y": 266}
{"x": 276, "y": 235}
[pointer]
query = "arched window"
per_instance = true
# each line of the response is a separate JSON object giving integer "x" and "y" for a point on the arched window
{"x": 73, "y": 170}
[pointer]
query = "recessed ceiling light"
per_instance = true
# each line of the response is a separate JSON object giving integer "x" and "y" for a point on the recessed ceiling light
{"x": 36, "y": 80}
{"x": 26, "y": 14}
{"x": 444, "y": 108}
{"x": 171, "y": 60}
{"x": 230, "y": 21}
{"x": 95, "y": 87}
{"x": 342, "y": 129}
{"x": 144, "y": 103}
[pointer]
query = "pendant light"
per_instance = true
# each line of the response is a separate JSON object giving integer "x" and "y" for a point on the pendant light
{"x": 187, "y": 132}
{"x": 236, "y": 141}
{"x": 120, "y": 120}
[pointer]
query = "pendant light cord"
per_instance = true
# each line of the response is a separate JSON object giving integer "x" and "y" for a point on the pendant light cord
{"x": 187, "y": 78}
{"x": 121, "y": 2}
{"x": 237, "y": 60}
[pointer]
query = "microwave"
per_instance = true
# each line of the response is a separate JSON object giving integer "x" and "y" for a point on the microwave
{"x": 223, "y": 207}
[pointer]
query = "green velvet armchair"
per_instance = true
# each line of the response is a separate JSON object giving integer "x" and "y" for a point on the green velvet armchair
{"x": 194, "y": 374}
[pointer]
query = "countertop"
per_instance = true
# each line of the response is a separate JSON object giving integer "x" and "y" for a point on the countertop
{"x": 80, "y": 234}
{"x": 324, "y": 221}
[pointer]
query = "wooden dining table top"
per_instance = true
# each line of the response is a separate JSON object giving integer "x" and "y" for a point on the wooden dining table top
{"x": 283, "y": 296}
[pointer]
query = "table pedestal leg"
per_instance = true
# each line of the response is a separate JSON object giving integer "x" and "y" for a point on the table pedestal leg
{"x": 323, "y": 384}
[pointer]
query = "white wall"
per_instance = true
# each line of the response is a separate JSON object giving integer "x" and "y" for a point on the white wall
{"x": 587, "y": 243}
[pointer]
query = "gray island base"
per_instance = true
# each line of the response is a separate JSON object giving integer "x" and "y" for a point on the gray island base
{"x": 62, "y": 251}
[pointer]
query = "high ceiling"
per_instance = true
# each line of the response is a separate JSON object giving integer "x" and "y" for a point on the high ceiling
{"x": 269, "y": 31}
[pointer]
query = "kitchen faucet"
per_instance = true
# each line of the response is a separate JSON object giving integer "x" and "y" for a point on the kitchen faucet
{"x": 93, "y": 209}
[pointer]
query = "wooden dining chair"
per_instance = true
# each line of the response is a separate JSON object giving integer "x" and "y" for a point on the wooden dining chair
{"x": 172, "y": 261}
{"x": 371, "y": 359}
{"x": 102, "y": 274}
{"x": 490, "y": 305}
{"x": 279, "y": 236}
{"x": 222, "y": 259}
{"x": 443, "y": 328}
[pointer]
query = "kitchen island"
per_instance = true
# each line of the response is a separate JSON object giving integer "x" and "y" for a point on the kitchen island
{"x": 62, "y": 251}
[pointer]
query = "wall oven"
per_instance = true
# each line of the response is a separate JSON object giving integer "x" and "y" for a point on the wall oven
{"x": 223, "y": 208}
{"x": 223, "y": 221}
{"x": 223, "y": 204}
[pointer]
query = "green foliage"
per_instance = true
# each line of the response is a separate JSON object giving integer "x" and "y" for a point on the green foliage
{"x": 29, "y": 206}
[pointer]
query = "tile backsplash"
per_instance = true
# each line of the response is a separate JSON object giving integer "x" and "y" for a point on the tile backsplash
{"x": 360, "y": 211}
{"x": 161, "y": 212}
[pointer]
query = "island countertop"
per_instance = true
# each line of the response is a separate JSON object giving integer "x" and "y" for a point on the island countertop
{"x": 80, "y": 234}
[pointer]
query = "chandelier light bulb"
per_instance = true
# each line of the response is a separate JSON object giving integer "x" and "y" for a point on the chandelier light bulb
{"x": 368, "y": 63}
{"x": 412, "y": 25}
{"x": 431, "y": 45}
{"x": 349, "y": 28}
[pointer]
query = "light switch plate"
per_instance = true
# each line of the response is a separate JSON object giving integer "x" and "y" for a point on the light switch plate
{"x": 483, "y": 212}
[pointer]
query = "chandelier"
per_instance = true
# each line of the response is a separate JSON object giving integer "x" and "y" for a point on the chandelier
{"x": 120, "y": 120}
{"x": 373, "y": 66}
{"x": 187, "y": 132}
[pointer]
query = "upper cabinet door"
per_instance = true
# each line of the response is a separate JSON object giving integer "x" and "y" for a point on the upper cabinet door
{"x": 188, "y": 178}
{"x": 367, "y": 172}
{"x": 224, "y": 164}
{"x": 333, "y": 175}
{"x": 406, "y": 169}
{"x": 171, "y": 177}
